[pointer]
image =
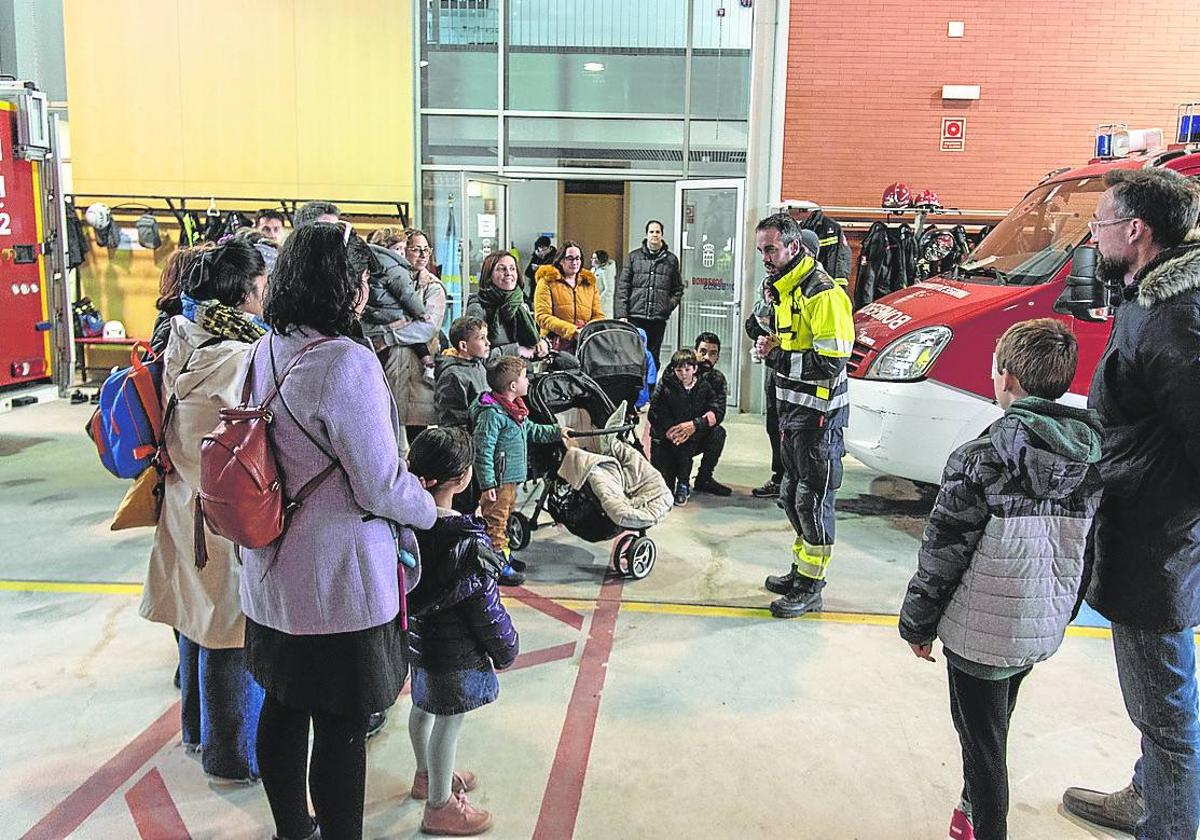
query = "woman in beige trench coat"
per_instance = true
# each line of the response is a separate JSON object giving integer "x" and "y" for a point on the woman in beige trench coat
{"x": 411, "y": 387}
{"x": 204, "y": 356}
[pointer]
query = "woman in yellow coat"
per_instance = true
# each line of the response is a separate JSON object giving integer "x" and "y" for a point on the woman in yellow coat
{"x": 567, "y": 297}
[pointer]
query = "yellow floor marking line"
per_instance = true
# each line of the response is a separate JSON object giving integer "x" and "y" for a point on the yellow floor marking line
{"x": 70, "y": 586}
{"x": 651, "y": 607}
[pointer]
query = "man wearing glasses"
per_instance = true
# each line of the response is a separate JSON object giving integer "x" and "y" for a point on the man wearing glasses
{"x": 1146, "y": 576}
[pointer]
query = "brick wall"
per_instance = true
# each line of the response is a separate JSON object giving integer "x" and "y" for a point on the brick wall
{"x": 864, "y": 103}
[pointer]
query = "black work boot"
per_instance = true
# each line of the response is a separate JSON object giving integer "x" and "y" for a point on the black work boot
{"x": 803, "y": 597}
{"x": 781, "y": 584}
{"x": 708, "y": 484}
{"x": 1120, "y": 810}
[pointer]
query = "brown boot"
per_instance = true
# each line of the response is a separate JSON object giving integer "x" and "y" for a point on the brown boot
{"x": 456, "y": 817}
{"x": 463, "y": 781}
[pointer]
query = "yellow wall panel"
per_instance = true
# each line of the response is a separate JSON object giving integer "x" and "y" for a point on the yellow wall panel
{"x": 124, "y": 74}
{"x": 354, "y": 78}
{"x": 275, "y": 98}
{"x": 239, "y": 137}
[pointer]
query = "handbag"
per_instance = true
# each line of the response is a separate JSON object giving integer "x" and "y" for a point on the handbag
{"x": 142, "y": 503}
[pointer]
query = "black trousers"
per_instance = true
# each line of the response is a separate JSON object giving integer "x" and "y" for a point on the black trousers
{"x": 655, "y": 330}
{"x": 773, "y": 429}
{"x": 812, "y": 473}
{"x": 710, "y": 443}
{"x": 674, "y": 462}
{"x": 337, "y": 776}
{"x": 981, "y": 710}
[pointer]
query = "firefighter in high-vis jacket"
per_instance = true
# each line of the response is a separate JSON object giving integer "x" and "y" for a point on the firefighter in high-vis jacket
{"x": 814, "y": 333}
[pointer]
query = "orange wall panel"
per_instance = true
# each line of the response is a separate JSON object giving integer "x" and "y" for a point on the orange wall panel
{"x": 864, "y": 104}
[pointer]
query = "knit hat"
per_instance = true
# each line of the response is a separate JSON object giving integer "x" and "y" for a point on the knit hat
{"x": 810, "y": 241}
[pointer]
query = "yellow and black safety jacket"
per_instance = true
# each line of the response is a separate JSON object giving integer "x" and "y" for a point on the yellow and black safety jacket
{"x": 816, "y": 333}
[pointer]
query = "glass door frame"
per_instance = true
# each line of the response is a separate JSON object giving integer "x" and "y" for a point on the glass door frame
{"x": 462, "y": 217}
{"x": 734, "y": 351}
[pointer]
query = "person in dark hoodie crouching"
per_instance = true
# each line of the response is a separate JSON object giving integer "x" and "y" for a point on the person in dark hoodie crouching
{"x": 679, "y": 409}
{"x": 1001, "y": 569}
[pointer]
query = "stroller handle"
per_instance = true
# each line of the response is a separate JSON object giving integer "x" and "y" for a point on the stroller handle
{"x": 600, "y": 432}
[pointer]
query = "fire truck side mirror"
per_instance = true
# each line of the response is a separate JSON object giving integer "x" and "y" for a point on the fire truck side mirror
{"x": 1084, "y": 295}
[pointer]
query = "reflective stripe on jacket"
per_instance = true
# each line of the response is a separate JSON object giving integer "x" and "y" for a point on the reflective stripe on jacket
{"x": 816, "y": 333}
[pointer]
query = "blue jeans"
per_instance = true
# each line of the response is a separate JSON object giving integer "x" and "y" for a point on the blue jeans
{"x": 1158, "y": 681}
{"x": 220, "y": 707}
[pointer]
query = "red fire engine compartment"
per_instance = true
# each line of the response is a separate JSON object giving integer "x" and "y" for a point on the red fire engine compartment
{"x": 25, "y": 324}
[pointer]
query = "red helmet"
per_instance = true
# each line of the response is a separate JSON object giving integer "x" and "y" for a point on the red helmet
{"x": 897, "y": 195}
{"x": 927, "y": 198}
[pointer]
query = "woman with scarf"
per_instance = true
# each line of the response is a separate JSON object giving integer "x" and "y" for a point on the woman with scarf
{"x": 500, "y": 302}
{"x": 221, "y": 302}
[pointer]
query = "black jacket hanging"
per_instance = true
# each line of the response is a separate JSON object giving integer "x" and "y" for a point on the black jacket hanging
{"x": 834, "y": 255}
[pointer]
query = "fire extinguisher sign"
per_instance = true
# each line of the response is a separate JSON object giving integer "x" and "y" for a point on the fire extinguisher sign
{"x": 954, "y": 134}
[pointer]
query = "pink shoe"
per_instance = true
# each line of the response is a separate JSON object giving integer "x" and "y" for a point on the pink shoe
{"x": 464, "y": 781}
{"x": 456, "y": 818}
{"x": 960, "y": 826}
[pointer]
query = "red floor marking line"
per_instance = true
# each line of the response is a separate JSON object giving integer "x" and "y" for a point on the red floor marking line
{"x": 69, "y": 814}
{"x": 154, "y": 811}
{"x": 564, "y": 789}
{"x": 545, "y": 606}
{"x": 543, "y": 656}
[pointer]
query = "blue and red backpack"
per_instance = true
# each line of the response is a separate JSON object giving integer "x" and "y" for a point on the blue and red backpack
{"x": 127, "y": 426}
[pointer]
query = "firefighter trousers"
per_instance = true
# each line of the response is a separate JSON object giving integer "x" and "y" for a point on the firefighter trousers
{"x": 812, "y": 473}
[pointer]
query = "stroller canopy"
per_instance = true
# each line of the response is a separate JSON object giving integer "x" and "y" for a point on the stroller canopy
{"x": 612, "y": 353}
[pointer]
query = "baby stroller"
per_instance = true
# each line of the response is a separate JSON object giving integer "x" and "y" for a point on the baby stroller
{"x": 600, "y": 488}
{"x": 612, "y": 353}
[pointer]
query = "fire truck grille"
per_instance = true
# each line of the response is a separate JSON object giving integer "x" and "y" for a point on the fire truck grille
{"x": 858, "y": 357}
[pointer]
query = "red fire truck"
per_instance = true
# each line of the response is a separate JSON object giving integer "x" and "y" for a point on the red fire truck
{"x": 35, "y": 320}
{"x": 920, "y": 368}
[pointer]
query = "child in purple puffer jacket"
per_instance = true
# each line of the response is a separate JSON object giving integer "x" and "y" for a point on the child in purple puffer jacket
{"x": 459, "y": 633}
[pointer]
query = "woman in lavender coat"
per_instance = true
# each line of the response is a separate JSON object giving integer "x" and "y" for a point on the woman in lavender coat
{"x": 321, "y": 602}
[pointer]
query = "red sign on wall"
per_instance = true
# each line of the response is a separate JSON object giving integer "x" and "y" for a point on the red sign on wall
{"x": 954, "y": 134}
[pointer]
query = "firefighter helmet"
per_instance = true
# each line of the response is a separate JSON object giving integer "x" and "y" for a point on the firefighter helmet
{"x": 98, "y": 216}
{"x": 927, "y": 198}
{"x": 897, "y": 195}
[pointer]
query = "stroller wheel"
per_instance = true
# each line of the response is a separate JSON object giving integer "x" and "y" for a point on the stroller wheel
{"x": 642, "y": 554}
{"x": 518, "y": 531}
{"x": 620, "y": 552}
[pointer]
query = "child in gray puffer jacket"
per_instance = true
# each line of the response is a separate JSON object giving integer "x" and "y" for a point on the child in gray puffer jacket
{"x": 393, "y": 302}
{"x": 1002, "y": 569}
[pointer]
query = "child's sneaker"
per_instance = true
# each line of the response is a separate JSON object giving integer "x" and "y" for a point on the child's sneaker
{"x": 518, "y": 565}
{"x": 960, "y": 826}
{"x": 463, "y": 781}
{"x": 457, "y": 817}
{"x": 510, "y": 576}
{"x": 681, "y": 494}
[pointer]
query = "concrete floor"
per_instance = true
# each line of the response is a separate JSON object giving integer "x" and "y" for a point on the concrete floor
{"x": 669, "y": 707}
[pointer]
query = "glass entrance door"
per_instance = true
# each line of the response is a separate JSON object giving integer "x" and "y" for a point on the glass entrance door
{"x": 478, "y": 225}
{"x": 709, "y": 218}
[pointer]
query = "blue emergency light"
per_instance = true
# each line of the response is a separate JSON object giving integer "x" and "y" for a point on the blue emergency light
{"x": 1189, "y": 123}
{"x": 1104, "y": 138}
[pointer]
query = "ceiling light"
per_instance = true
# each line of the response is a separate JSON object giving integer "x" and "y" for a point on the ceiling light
{"x": 593, "y": 67}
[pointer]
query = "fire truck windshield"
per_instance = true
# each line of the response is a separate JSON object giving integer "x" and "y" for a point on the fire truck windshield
{"x": 1033, "y": 241}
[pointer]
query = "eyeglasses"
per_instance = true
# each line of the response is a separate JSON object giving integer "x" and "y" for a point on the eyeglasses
{"x": 572, "y": 259}
{"x": 416, "y": 250}
{"x": 1099, "y": 223}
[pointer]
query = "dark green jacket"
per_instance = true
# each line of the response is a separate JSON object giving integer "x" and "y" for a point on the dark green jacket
{"x": 500, "y": 443}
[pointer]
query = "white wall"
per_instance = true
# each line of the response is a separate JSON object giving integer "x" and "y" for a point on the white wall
{"x": 650, "y": 200}
{"x": 534, "y": 209}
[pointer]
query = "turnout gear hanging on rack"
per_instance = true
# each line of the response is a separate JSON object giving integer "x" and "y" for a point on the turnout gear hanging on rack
{"x": 834, "y": 255}
{"x": 886, "y": 263}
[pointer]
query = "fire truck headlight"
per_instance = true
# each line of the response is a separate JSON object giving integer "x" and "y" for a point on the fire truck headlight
{"x": 911, "y": 356}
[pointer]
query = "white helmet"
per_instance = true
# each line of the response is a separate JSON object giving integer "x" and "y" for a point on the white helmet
{"x": 98, "y": 216}
{"x": 114, "y": 329}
